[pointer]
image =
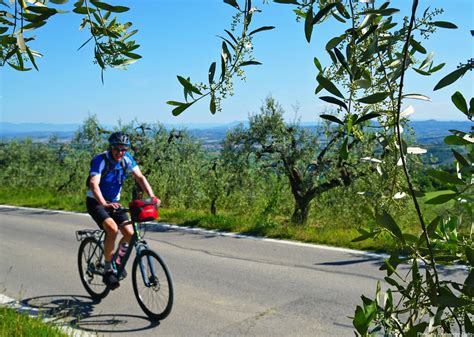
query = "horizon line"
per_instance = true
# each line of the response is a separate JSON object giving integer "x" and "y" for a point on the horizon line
{"x": 218, "y": 123}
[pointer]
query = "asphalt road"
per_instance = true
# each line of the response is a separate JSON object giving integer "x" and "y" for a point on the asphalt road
{"x": 224, "y": 286}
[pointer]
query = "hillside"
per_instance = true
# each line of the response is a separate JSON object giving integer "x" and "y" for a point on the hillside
{"x": 429, "y": 134}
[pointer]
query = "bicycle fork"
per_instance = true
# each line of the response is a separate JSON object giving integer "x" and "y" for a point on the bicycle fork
{"x": 148, "y": 280}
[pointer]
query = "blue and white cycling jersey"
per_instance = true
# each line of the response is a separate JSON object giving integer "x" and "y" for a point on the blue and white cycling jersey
{"x": 111, "y": 183}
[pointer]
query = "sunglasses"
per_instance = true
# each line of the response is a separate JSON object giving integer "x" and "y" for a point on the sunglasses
{"x": 120, "y": 149}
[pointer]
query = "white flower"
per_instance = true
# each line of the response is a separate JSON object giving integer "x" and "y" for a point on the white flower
{"x": 20, "y": 41}
{"x": 408, "y": 111}
{"x": 418, "y": 96}
{"x": 253, "y": 10}
{"x": 401, "y": 131}
{"x": 379, "y": 169}
{"x": 394, "y": 63}
{"x": 399, "y": 195}
{"x": 35, "y": 2}
{"x": 373, "y": 160}
{"x": 469, "y": 138}
{"x": 416, "y": 150}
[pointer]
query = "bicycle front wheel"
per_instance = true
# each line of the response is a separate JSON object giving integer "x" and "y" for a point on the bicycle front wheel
{"x": 152, "y": 284}
{"x": 91, "y": 267}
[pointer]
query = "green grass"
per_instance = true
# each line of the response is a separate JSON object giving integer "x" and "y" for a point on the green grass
{"x": 335, "y": 226}
{"x": 42, "y": 199}
{"x": 14, "y": 324}
{"x": 273, "y": 227}
{"x": 278, "y": 227}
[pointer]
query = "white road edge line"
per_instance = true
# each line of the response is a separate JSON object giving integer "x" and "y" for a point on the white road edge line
{"x": 226, "y": 234}
{"x": 9, "y": 302}
{"x": 199, "y": 230}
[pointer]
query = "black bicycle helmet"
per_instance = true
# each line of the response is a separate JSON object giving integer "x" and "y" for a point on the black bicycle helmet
{"x": 119, "y": 138}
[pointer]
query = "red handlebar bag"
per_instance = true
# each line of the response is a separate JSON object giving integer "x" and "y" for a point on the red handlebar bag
{"x": 143, "y": 210}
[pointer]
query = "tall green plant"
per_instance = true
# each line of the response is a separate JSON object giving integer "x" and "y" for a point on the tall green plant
{"x": 366, "y": 80}
{"x": 425, "y": 303}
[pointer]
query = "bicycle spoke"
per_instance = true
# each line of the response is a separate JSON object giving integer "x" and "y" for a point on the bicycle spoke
{"x": 90, "y": 267}
{"x": 155, "y": 296}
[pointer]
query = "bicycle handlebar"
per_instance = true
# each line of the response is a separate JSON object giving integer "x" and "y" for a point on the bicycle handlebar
{"x": 120, "y": 209}
{"x": 125, "y": 209}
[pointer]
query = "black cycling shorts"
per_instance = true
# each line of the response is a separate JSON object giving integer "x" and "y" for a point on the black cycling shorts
{"x": 99, "y": 213}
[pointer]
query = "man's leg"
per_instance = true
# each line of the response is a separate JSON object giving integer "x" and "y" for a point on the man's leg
{"x": 127, "y": 232}
{"x": 111, "y": 230}
{"x": 105, "y": 222}
{"x": 125, "y": 227}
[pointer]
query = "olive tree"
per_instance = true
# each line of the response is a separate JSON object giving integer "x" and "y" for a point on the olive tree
{"x": 371, "y": 58}
{"x": 173, "y": 162}
{"x": 20, "y": 19}
{"x": 311, "y": 162}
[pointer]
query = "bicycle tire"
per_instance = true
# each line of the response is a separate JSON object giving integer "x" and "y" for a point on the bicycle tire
{"x": 161, "y": 285}
{"x": 91, "y": 273}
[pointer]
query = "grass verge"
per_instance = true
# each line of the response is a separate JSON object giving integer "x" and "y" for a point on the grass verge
{"x": 327, "y": 226}
{"x": 278, "y": 228}
{"x": 14, "y": 324}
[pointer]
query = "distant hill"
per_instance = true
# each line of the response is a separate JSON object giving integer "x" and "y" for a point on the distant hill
{"x": 208, "y": 132}
{"x": 426, "y": 132}
{"x": 432, "y": 131}
{"x": 37, "y": 131}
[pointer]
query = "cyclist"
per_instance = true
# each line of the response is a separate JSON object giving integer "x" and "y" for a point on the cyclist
{"x": 106, "y": 176}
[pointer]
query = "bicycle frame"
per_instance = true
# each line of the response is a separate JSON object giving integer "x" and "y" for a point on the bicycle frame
{"x": 139, "y": 244}
{"x": 136, "y": 242}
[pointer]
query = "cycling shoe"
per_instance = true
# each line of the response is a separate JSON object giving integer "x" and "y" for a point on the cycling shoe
{"x": 124, "y": 275}
{"x": 111, "y": 280}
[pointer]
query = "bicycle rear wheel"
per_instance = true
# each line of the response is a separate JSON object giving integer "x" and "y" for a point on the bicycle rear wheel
{"x": 91, "y": 267}
{"x": 152, "y": 284}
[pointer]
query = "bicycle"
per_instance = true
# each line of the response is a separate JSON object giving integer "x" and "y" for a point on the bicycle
{"x": 155, "y": 280}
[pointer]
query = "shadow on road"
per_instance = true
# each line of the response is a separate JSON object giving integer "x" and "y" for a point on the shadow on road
{"x": 59, "y": 306}
{"x": 348, "y": 262}
{"x": 108, "y": 323}
{"x": 78, "y": 313}
{"x": 444, "y": 271}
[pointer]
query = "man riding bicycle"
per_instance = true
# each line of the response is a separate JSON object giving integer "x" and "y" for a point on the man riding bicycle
{"x": 106, "y": 177}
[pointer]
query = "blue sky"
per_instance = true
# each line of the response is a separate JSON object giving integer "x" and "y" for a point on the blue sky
{"x": 180, "y": 38}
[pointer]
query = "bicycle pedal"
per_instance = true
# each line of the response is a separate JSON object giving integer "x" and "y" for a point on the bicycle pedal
{"x": 114, "y": 286}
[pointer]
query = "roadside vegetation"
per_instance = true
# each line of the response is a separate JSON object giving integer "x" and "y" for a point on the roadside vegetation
{"x": 14, "y": 324}
{"x": 245, "y": 188}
